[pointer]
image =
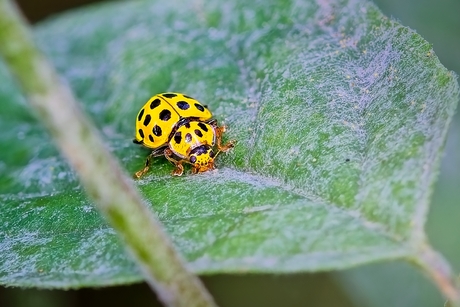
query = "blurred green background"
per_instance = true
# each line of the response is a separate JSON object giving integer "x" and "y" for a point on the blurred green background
{"x": 383, "y": 284}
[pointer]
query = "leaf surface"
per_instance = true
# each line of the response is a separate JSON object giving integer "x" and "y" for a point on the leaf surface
{"x": 340, "y": 115}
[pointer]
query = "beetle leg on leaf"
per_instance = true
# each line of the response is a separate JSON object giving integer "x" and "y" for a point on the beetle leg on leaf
{"x": 179, "y": 170}
{"x": 223, "y": 148}
{"x": 155, "y": 153}
{"x": 142, "y": 172}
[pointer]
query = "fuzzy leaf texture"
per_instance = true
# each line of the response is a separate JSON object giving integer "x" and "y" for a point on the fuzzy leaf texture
{"x": 339, "y": 112}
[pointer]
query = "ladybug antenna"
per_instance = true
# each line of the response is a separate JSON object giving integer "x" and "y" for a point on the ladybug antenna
{"x": 217, "y": 153}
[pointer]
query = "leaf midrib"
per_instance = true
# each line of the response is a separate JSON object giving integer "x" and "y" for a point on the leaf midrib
{"x": 267, "y": 182}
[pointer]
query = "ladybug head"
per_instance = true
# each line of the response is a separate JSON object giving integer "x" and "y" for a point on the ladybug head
{"x": 202, "y": 159}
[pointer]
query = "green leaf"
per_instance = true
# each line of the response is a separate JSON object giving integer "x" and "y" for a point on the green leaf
{"x": 413, "y": 289}
{"x": 339, "y": 112}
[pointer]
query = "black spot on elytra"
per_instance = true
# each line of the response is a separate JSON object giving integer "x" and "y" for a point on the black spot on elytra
{"x": 193, "y": 159}
{"x": 178, "y": 137}
{"x": 155, "y": 103}
{"x": 199, "y": 107}
{"x": 203, "y": 126}
{"x": 157, "y": 130}
{"x": 147, "y": 119}
{"x": 183, "y": 105}
{"x": 141, "y": 133}
{"x": 187, "y": 125}
{"x": 169, "y": 95}
{"x": 198, "y": 133}
{"x": 199, "y": 150}
{"x": 141, "y": 113}
{"x": 212, "y": 154}
{"x": 188, "y": 97}
{"x": 188, "y": 137}
{"x": 151, "y": 138}
{"x": 165, "y": 115}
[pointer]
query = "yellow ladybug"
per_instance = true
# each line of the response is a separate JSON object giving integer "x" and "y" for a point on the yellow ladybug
{"x": 182, "y": 129}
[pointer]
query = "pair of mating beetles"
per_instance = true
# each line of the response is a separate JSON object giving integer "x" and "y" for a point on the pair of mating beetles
{"x": 181, "y": 129}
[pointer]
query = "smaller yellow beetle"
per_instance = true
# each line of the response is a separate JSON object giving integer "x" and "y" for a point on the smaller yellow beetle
{"x": 181, "y": 129}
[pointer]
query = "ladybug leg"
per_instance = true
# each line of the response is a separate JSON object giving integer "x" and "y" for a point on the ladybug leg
{"x": 223, "y": 148}
{"x": 179, "y": 170}
{"x": 155, "y": 153}
{"x": 213, "y": 122}
{"x": 142, "y": 172}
